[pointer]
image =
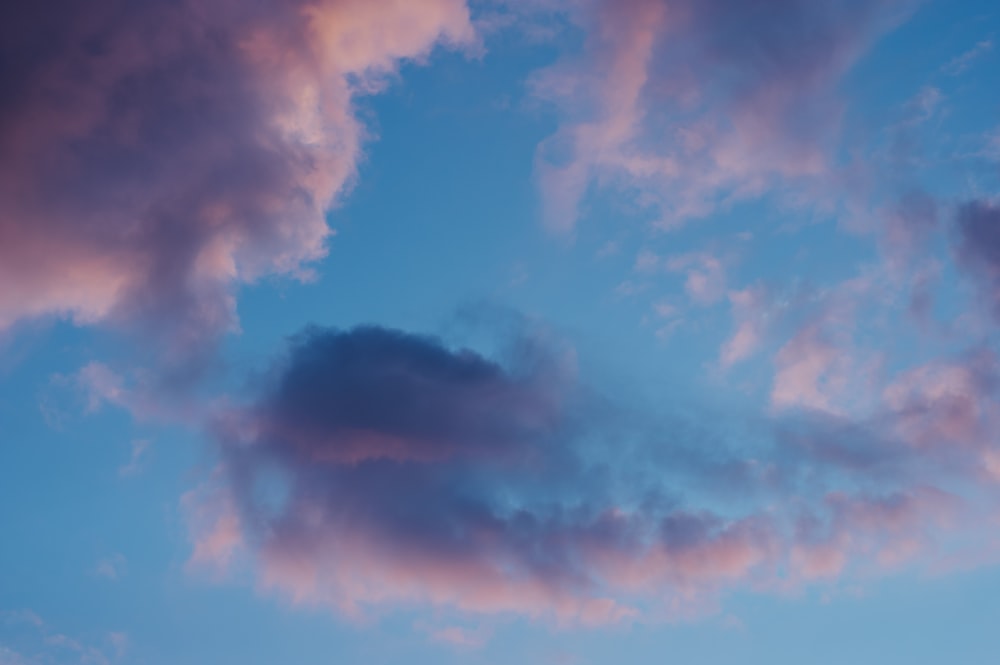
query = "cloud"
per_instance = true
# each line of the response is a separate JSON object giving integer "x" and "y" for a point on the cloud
{"x": 885, "y": 530}
{"x": 101, "y": 385}
{"x": 378, "y": 394}
{"x": 908, "y": 226}
{"x": 458, "y": 637}
{"x": 112, "y": 567}
{"x": 137, "y": 458}
{"x": 978, "y": 245}
{"x": 688, "y": 106}
{"x": 11, "y": 657}
{"x": 810, "y": 371}
{"x": 948, "y": 403}
{"x": 751, "y": 315}
{"x": 963, "y": 61}
{"x": 154, "y": 156}
{"x": 379, "y": 468}
{"x": 705, "y": 276}
{"x": 36, "y": 642}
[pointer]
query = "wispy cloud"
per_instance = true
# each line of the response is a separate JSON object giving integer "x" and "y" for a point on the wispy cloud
{"x": 379, "y": 467}
{"x": 112, "y": 567}
{"x": 137, "y": 458}
{"x": 960, "y": 63}
{"x": 686, "y": 107}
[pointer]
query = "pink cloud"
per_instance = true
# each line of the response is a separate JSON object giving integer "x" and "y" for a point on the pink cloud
{"x": 704, "y": 276}
{"x": 751, "y": 314}
{"x": 489, "y": 488}
{"x": 810, "y": 372}
{"x": 215, "y": 527}
{"x": 460, "y": 637}
{"x": 155, "y": 157}
{"x": 686, "y": 107}
{"x": 946, "y": 404}
{"x": 978, "y": 247}
{"x": 887, "y": 531}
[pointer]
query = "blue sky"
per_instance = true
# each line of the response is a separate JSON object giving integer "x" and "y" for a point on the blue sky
{"x": 562, "y": 331}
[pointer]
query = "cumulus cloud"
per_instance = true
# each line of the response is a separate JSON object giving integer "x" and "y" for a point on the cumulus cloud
{"x": 376, "y": 467}
{"x": 155, "y": 155}
{"x": 688, "y": 106}
{"x": 381, "y": 466}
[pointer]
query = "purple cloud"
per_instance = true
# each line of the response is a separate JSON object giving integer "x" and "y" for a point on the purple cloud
{"x": 978, "y": 226}
{"x": 382, "y": 466}
{"x": 379, "y": 467}
{"x": 155, "y": 155}
{"x": 688, "y": 106}
{"x": 371, "y": 393}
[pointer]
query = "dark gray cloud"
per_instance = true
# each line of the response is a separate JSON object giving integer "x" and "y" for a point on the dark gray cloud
{"x": 370, "y": 392}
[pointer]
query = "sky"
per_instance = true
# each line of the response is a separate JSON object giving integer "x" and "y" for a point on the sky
{"x": 570, "y": 332}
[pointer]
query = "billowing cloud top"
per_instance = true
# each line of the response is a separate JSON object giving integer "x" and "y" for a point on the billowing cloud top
{"x": 155, "y": 154}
